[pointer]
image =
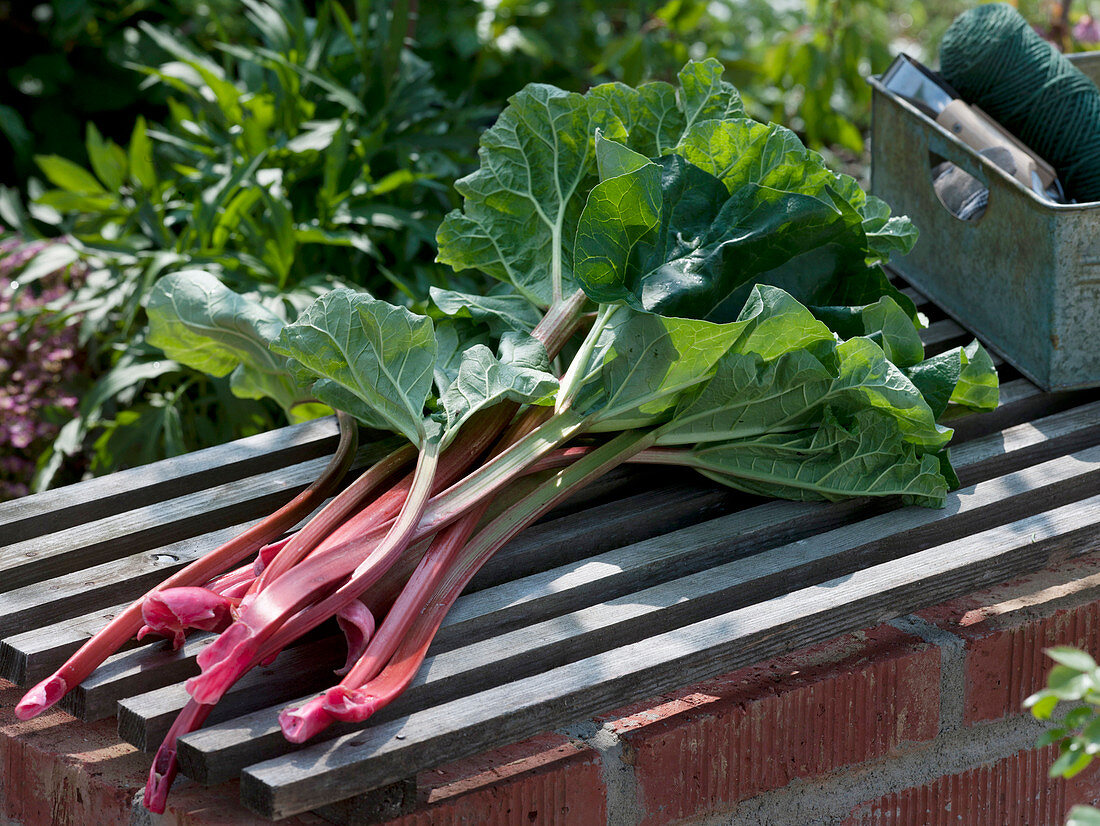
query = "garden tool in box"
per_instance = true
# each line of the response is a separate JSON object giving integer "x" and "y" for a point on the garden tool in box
{"x": 907, "y": 78}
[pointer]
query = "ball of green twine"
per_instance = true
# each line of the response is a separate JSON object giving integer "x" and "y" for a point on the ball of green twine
{"x": 996, "y": 60}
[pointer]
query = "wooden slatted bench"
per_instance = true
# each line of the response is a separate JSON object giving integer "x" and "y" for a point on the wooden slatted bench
{"x": 647, "y": 581}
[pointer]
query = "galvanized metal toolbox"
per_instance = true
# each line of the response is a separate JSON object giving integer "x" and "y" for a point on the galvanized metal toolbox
{"x": 1024, "y": 277}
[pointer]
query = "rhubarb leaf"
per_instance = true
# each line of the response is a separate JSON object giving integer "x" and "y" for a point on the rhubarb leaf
{"x": 936, "y": 378}
{"x": 652, "y": 118}
{"x": 781, "y": 374}
{"x": 519, "y": 373}
{"x": 687, "y": 255}
{"x": 367, "y": 350}
{"x": 864, "y": 455}
{"x": 837, "y": 271}
{"x": 749, "y": 396}
{"x": 643, "y": 362}
{"x": 978, "y": 387}
{"x": 453, "y": 336}
{"x": 519, "y": 218}
{"x": 885, "y": 322}
{"x": 524, "y": 200}
{"x": 962, "y": 376}
{"x": 501, "y": 312}
{"x": 741, "y": 151}
{"x": 868, "y": 378}
{"x": 198, "y": 321}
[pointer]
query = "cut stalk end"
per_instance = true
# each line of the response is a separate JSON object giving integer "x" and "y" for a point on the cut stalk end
{"x": 41, "y": 697}
{"x": 300, "y": 724}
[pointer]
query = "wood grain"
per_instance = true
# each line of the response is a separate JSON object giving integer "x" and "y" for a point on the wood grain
{"x": 73, "y": 505}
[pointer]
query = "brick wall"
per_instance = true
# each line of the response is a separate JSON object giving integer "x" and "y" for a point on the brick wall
{"x": 912, "y": 723}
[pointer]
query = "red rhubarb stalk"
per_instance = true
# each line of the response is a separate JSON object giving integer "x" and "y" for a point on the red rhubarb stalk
{"x": 129, "y": 621}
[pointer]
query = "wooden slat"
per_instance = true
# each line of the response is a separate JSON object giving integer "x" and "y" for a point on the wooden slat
{"x": 611, "y": 615}
{"x": 942, "y": 335}
{"x": 152, "y": 526}
{"x": 27, "y": 656}
{"x": 83, "y": 502}
{"x": 391, "y": 751}
{"x": 545, "y": 545}
{"x": 1021, "y": 401}
{"x": 107, "y": 584}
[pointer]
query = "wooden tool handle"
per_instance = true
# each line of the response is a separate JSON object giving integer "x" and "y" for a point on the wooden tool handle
{"x": 977, "y": 131}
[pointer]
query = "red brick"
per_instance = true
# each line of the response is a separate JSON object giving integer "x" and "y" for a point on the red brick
{"x": 543, "y": 780}
{"x": 57, "y": 771}
{"x": 1006, "y": 628}
{"x": 853, "y": 699}
{"x": 1015, "y": 791}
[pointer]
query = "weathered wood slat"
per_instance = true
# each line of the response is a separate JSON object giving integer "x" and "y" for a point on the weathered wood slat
{"x": 547, "y": 639}
{"x": 388, "y": 752}
{"x": 547, "y": 545}
{"x": 1021, "y": 401}
{"x": 83, "y": 502}
{"x": 27, "y": 656}
{"x": 942, "y": 335}
{"x": 151, "y": 526}
{"x": 107, "y": 584}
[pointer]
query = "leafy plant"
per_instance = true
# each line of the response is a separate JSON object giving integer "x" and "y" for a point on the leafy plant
{"x": 1075, "y": 680}
{"x": 672, "y": 216}
{"x": 65, "y": 65}
{"x": 317, "y": 158}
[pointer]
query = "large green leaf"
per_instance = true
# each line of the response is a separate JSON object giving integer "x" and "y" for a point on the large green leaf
{"x": 198, "y": 321}
{"x": 749, "y": 396}
{"x": 521, "y": 206}
{"x": 69, "y": 176}
{"x": 367, "y": 351}
{"x": 675, "y": 241}
{"x": 652, "y": 118}
{"x": 523, "y": 202}
{"x": 453, "y": 337}
{"x": 885, "y": 322}
{"x": 643, "y": 362}
{"x": 978, "y": 387}
{"x": 863, "y": 456}
{"x": 837, "y": 271}
{"x": 741, "y": 151}
{"x": 867, "y": 377}
{"x": 964, "y": 376}
{"x": 520, "y": 373}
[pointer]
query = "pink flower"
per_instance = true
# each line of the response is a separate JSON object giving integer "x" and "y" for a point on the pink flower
{"x": 1087, "y": 30}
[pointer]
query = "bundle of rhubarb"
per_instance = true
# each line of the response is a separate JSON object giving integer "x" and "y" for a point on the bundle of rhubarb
{"x": 679, "y": 285}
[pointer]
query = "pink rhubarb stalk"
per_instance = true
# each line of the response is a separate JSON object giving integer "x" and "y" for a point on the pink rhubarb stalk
{"x": 233, "y": 652}
{"x": 358, "y": 696}
{"x": 171, "y": 611}
{"x": 129, "y": 621}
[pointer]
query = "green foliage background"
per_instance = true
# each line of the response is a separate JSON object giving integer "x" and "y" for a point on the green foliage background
{"x": 292, "y": 146}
